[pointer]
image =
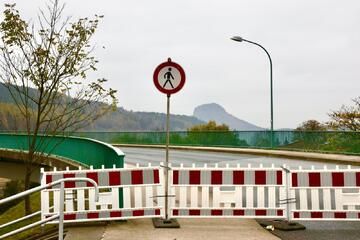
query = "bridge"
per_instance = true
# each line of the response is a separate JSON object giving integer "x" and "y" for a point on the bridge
{"x": 61, "y": 152}
{"x": 86, "y": 149}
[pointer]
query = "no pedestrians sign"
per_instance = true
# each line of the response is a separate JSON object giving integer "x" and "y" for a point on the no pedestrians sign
{"x": 169, "y": 77}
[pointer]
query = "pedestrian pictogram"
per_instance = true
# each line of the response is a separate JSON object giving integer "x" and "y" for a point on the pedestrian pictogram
{"x": 169, "y": 77}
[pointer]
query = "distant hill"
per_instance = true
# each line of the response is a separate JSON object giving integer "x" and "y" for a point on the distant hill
{"x": 124, "y": 120}
{"x": 119, "y": 120}
{"x": 213, "y": 111}
{"x": 127, "y": 120}
{"x": 4, "y": 94}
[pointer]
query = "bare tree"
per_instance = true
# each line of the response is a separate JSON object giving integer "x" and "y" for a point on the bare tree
{"x": 347, "y": 117}
{"x": 311, "y": 125}
{"x": 45, "y": 66}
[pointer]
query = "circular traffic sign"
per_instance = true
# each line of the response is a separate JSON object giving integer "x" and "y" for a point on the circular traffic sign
{"x": 169, "y": 77}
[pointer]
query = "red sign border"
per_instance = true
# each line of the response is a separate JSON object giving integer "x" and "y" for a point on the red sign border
{"x": 182, "y": 76}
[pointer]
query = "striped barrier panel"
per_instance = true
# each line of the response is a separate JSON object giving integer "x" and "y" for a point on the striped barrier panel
{"x": 107, "y": 177}
{"x": 80, "y": 205}
{"x": 107, "y": 215}
{"x": 203, "y": 192}
{"x": 325, "y": 194}
{"x": 241, "y": 192}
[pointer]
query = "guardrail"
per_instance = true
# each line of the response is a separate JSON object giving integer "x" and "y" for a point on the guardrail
{"x": 342, "y": 142}
{"x": 59, "y": 215}
{"x": 83, "y": 150}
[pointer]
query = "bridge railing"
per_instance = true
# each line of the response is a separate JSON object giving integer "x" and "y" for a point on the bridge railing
{"x": 86, "y": 151}
{"x": 343, "y": 142}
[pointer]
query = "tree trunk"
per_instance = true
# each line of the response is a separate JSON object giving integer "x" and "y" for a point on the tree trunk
{"x": 27, "y": 183}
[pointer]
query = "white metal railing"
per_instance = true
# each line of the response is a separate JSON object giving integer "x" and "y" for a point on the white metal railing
{"x": 59, "y": 215}
{"x": 20, "y": 219}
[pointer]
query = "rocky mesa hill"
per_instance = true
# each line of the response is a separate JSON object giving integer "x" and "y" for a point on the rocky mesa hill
{"x": 216, "y": 112}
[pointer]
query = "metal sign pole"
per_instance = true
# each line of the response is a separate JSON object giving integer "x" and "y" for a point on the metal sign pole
{"x": 169, "y": 78}
{"x": 167, "y": 157}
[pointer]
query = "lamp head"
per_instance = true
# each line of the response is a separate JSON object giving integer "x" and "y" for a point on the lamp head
{"x": 237, "y": 39}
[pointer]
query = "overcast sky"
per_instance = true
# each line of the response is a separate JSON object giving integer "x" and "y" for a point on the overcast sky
{"x": 315, "y": 47}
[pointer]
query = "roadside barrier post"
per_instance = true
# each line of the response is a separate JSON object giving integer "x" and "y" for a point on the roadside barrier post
{"x": 61, "y": 211}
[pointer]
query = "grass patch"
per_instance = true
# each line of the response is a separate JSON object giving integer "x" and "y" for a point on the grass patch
{"x": 18, "y": 211}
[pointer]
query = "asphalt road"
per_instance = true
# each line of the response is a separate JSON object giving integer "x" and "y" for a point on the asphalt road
{"x": 143, "y": 156}
{"x": 323, "y": 231}
{"x": 314, "y": 230}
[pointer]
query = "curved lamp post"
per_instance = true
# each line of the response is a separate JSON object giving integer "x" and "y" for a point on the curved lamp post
{"x": 240, "y": 39}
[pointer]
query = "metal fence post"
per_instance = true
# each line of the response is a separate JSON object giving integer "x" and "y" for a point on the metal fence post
{"x": 42, "y": 183}
{"x": 287, "y": 186}
{"x": 61, "y": 211}
{"x": 288, "y": 200}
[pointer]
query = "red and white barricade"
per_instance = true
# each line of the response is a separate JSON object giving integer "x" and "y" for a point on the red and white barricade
{"x": 325, "y": 194}
{"x": 227, "y": 192}
{"x": 124, "y": 194}
{"x": 203, "y": 192}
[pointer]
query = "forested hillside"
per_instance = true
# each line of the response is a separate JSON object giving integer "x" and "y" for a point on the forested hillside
{"x": 119, "y": 120}
{"x": 4, "y": 94}
{"x": 123, "y": 120}
{"x": 10, "y": 118}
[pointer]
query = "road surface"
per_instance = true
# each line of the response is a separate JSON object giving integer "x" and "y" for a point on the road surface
{"x": 143, "y": 156}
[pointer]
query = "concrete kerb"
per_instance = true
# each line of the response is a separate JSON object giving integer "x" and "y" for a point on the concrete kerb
{"x": 310, "y": 156}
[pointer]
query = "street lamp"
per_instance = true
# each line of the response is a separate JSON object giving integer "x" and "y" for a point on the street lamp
{"x": 240, "y": 39}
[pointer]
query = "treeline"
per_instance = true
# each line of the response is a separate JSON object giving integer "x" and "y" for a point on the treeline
{"x": 327, "y": 141}
{"x": 340, "y": 134}
{"x": 119, "y": 120}
{"x": 123, "y": 120}
{"x": 208, "y": 134}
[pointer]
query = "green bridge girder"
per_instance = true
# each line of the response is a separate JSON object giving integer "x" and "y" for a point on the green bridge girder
{"x": 86, "y": 151}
